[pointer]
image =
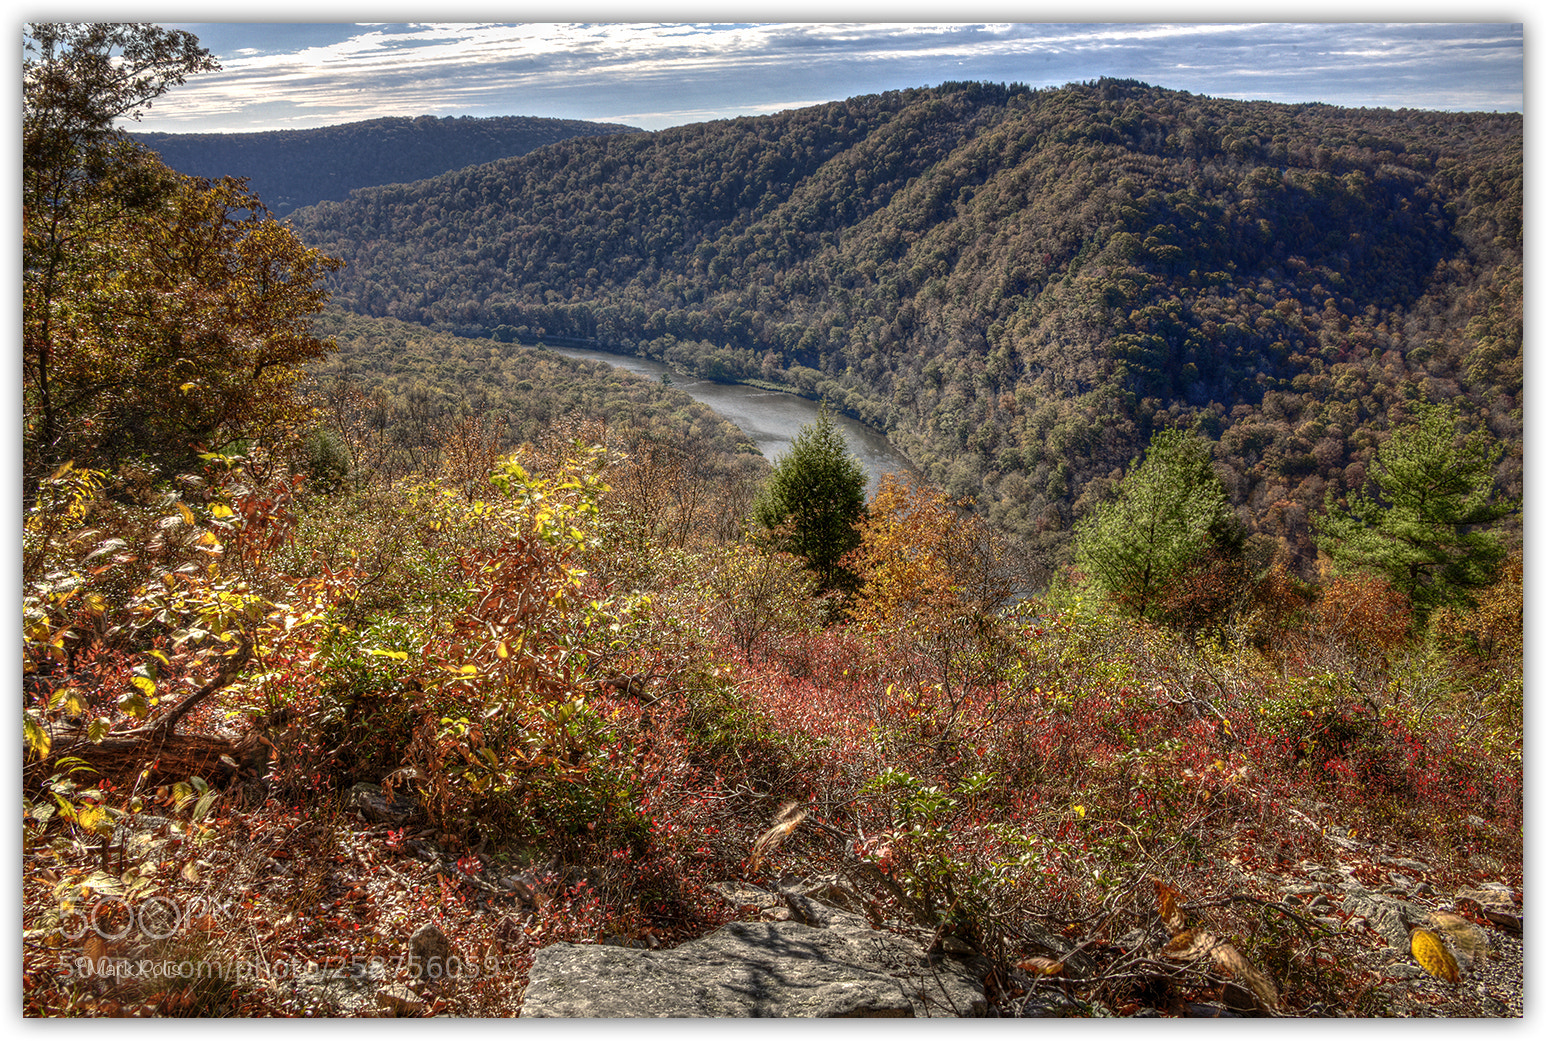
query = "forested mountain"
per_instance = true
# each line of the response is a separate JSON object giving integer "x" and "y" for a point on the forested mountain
{"x": 1018, "y": 286}
{"x": 290, "y": 168}
{"x": 373, "y": 641}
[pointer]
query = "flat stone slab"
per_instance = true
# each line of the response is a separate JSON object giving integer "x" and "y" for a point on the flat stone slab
{"x": 752, "y": 969}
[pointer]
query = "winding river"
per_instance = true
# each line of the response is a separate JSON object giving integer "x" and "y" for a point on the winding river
{"x": 770, "y": 418}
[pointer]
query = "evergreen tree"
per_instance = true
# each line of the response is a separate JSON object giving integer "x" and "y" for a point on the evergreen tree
{"x": 814, "y": 498}
{"x": 1423, "y": 525}
{"x": 1169, "y": 512}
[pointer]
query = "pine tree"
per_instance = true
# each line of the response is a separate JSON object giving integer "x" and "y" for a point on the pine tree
{"x": 1169, "y": 511}
{"x": 1423, "y": 524}
{"x": 813, "y": 499}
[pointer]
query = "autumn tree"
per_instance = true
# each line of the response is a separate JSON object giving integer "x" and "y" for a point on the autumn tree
{"x": 1421, "y": 522}
{"x": 813, "y": 499}
{"x": 1169, "y": 516}
{"x": 932, "y": 575}
{"x": 162, "y": 315}
{"x": 80, "y": 176}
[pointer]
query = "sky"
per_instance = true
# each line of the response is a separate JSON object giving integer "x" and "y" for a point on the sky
{"x": 653, "y": 75}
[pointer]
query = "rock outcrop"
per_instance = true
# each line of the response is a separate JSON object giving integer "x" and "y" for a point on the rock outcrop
{"x": 840, "y": 968}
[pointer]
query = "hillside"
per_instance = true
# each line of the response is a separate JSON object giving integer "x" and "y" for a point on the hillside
{"x": 291, "y": 168}
{"x": 395, "y": 393}
{"x": 369, "y": 669}
{"x": 1018, "y": 286}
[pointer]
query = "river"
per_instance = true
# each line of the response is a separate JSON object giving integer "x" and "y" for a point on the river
{"x": 770, "y": 418}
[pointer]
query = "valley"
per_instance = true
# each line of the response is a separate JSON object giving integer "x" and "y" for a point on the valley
{"x": 1122, "y": 618}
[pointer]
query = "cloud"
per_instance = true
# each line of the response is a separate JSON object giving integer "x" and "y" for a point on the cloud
{"x": 662, "y": 74}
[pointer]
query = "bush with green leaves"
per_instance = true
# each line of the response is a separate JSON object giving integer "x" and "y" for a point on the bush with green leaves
{"x": 1170, "y": 515}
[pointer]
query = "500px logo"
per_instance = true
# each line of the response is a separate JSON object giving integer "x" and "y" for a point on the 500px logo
{"x": 154, "y": 918}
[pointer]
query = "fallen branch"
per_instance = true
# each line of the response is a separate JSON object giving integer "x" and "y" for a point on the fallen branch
{"x": 159, "y": 751}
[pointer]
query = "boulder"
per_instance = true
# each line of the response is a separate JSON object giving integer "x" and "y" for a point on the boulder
{"x": 754, "y": 969}
{"x": 1495, "y": 901}
{"x": 1387, "y": 915}
{"x": 431, "y": 956}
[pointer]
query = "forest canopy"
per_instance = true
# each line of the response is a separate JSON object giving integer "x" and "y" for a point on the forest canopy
{"x": 1018, "y": 286}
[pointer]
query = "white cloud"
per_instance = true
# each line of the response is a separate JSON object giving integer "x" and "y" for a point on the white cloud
{"x": 669, "y": 73}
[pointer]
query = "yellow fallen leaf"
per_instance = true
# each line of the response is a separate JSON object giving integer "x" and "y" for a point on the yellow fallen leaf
{"x": 1432, "y": 955}
{"x": 1041, "y": 966}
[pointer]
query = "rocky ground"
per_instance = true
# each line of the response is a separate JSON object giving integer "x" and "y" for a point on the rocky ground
{"x": 803, "y": 946}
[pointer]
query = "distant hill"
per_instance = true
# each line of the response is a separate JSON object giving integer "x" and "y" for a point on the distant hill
{"x": 293, "y": 168}
{"x": 1019, "y": 286}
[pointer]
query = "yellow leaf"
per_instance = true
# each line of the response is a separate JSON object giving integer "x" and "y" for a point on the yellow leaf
{"x": 1432, "y": 955}
{"x": 1041, "y": 966}
{"x": 220, "y": 511}
{"x": 187, "y": 514}
{"x": 94, "y": 819}
{"x": 35, "y": 736}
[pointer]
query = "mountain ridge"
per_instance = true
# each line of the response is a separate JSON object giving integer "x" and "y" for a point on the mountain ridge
{"x": 293, "y": 168}
{"x": 1018, "y": 286}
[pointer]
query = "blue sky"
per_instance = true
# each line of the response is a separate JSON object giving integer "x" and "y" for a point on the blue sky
{"x": 656, "y": 75}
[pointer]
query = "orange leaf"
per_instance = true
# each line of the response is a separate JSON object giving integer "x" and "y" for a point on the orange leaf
{"x": 1169, "y": 903}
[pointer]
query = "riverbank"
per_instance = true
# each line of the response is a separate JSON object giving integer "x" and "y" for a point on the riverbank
{"x": 769, "y": 413}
